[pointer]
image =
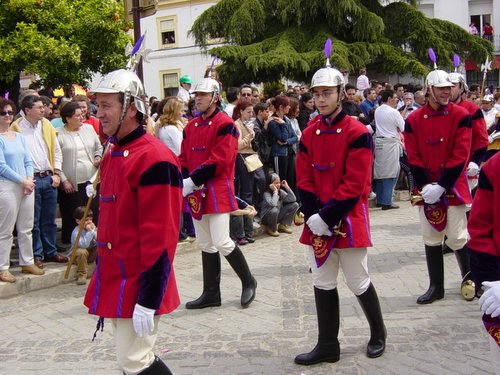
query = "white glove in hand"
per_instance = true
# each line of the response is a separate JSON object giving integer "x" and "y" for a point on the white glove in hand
{"x": 91, "y": 192}
{"x": 188, "y": 186}
{"x": 142, "y": 319}
{"x": 490, "y": 139}
{"x": 472, "y": 169}
{"x": 432, "y": 193}
{"x": 490, "y": 300}
{"x": 318, "y": 226}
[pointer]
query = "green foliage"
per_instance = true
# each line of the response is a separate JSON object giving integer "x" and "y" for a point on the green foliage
{"x": 62, "y": 41}
{"x": 266, "y": 40}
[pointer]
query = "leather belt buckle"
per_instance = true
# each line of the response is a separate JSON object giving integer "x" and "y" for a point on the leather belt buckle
{"x": 43, "y": 174}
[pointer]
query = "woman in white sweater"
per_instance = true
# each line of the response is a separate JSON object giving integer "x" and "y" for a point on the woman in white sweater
{"x": 82, "y": 152}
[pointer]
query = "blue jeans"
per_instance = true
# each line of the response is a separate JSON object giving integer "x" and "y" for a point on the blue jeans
{"x": 384, "y": 188}
{"x": 44, "y": 228}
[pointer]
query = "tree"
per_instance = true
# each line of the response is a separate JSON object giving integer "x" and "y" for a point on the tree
{"x": 270, "y": 39}
{"x": 62, "y": 41}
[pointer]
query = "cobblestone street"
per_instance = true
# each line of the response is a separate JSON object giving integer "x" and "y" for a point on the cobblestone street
{"x": 49, "y": 332}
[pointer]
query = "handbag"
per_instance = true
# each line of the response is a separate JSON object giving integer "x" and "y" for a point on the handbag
{"x": 252, "y": 162}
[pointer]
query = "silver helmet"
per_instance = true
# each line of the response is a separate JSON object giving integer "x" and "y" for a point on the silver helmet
{"x": 126, "y": 82}
{"x": 458, "y": 78}
{"x": 207, "y": 85}
{"x": 327, "y": 77}
{"x": 438, "y": 78}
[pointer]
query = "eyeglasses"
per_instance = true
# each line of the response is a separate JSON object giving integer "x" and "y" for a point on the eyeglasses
{"x": 6, "y": 113}
{"x": 324, "y": 94}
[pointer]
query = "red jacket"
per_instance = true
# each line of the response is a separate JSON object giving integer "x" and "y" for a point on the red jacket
{"x": 484, "y": 225}
{"x": 479, "y": 133}
{"x": 334, "y": 171}
{"x": 208, "y": 155}
{"x": 438, "y": 145}
{"x": 140, "y": 207}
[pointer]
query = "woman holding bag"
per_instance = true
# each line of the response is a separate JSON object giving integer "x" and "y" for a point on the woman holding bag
{"x": 243, "y": 113}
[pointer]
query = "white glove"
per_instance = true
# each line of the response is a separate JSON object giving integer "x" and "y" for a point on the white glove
{"x": 188, "y": 186}
{"x": 490, "y": 139}
{"x": 490, "y": 300}
{"x": 318, "y": 226}
{"x": 142, "y": 319}
{"x": 432, "y": 192}
{"x": 472, "y": 169}
{"x": 91, "y": 192}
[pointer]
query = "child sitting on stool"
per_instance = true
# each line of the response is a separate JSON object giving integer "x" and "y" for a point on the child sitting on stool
{"x": 86, "y": 251}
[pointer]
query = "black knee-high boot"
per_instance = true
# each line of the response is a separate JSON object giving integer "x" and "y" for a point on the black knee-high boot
{"x": 467, "y": 288}
{"x": 371, "y": 307}
{"x": 435, "y": 266}
{"x": 239, "y": 264}
{"x": 327, "y": 349}
{"x": 211, "y": 282}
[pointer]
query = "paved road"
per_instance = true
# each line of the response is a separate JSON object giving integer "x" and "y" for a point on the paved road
{"x": 49, "y": 332}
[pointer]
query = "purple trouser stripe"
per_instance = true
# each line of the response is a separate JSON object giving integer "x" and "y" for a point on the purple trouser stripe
{"x": 367, "y": 226}
{"x": 349, "y": 231}
{"x": 214, "y": 197}
{"x": 231, "y": 201}
{"x": 97, "y": 286}
{"x": 122, "y": 288}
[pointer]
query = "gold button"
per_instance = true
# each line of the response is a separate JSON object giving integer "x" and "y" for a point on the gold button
{"x": 425, "y": 116}
{"x": 339, "y": 130}
{"x": 318, "y": 132}
{"x": 109, "y": 245}
{"x": 125, "y": 153}
{"x": 195, "y": 124}
{"x": 210, "y": 123}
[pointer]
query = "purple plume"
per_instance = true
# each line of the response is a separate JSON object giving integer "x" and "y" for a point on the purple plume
{"x": 6, "y": 95}
{"x": 328, "y": 48}
{"x": 432, "y": 55}
{"x": 213, "y": 62}
{"x": 456, "y": 60}
{"x": 137, "y": 46}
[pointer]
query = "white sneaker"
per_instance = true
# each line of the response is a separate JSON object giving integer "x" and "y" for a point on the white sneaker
{"x": 372, "y": 195}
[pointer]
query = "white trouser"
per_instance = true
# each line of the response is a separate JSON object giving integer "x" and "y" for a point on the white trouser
{"x": 134, "y": 354}
{"x": 354, "y": 265}
{"x": 495, "y": 356}
{"x": 455, "y": 230}
{"x": 212, "y": 233}
{"x": 17, "y": 210}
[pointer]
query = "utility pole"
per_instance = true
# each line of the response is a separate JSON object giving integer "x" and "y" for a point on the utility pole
{"x": 136, "y": 19}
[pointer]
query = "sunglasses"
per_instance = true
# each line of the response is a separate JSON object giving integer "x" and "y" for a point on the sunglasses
{"x": 5, "y": 113}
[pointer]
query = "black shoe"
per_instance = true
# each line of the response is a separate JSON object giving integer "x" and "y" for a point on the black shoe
{"x": 239, "y": 264}
{"x": 371, "y": 307}
{"x": 435, "y": 267}
{"x": 250, "y": 239}
{"x": 158, "y": 367}
{"x": 327, "y": 349}
{"x": 210, "y": 296}
{"x": 389, "y": 206}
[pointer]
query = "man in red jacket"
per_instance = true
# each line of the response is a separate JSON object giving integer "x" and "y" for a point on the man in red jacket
{"x": 208, "y": 155}
{"x": 334, "y": 188}
{"x": 140, "y": 206}
{"x": 438, "y": 142}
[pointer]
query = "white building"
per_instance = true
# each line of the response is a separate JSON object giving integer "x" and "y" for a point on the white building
{"x": 174, "y": 53}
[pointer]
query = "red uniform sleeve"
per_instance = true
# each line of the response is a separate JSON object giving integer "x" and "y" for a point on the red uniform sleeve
{"x": 460, "y": 153}
{"x": 159, "y": 204}
{"x": 479, "y": 137}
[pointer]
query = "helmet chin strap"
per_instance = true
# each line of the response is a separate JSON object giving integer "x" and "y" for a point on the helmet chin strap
{"x": 339, "y": 103}
{"x": 126, "y": 104}
{"x": 214, "y": 94}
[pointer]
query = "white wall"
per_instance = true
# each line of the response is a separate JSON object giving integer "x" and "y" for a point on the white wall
{"x": 185, "y": 57}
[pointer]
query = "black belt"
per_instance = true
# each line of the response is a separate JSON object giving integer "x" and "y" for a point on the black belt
{"x": 43, "y": 174}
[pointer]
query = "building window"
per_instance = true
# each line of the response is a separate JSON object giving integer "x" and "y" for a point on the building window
{"x": 170, "y": 82}
{"x": 167, "y": 29}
